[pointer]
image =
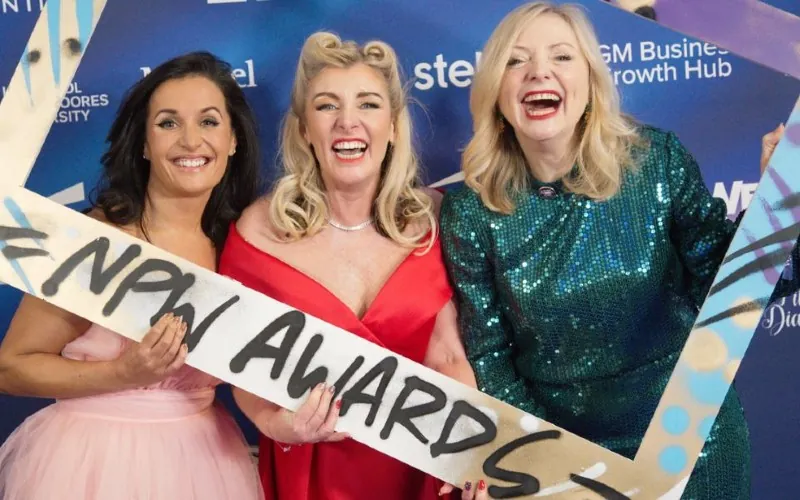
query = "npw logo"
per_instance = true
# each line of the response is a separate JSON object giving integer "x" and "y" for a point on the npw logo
{"x": 17, "y": 6}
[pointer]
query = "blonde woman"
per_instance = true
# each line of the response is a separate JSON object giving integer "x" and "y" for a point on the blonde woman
{"x": 582, "y": 246}
{"x": 345, "y": 232}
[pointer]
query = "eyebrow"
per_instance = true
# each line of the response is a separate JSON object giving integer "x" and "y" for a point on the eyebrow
{"x": 552, "y": 46}
{"x": 175, "y": 112}
{"x": 359, "y": 95}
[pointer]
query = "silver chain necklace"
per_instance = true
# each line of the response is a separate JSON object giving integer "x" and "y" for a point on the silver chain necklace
{"x": 357, "y": 227}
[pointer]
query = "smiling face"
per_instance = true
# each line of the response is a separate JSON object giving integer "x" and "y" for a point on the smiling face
{"x": 545, "y": 88}
{"x": 189, "y": 136}
{"x": 348, "y": 122}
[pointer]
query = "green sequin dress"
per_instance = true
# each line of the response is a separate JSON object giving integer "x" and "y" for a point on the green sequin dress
{"x": 576, "y": 311}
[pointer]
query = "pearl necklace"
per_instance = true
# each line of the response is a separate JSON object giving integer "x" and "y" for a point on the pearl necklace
{"x": 357, "y": 227}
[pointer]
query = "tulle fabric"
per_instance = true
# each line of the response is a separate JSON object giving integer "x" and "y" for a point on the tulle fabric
{"x": 169, "y": 441}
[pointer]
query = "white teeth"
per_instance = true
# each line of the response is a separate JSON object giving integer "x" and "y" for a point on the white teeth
{"x": 350, "y": 150}
{"x": 350, "y": 145}
{"x": 542, "y": 96}
{"x": 191, "y": 163}
{"x": 350, "y": 154}
{"x": 540, "y": 112}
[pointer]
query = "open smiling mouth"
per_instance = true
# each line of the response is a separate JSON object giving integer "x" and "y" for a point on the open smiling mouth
{"x": 349, "y": 150}
{"x": 194, "y": 163}
{"x": 540, "y": 105}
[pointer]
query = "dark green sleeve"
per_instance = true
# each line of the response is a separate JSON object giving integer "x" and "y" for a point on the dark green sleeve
{"x": 486, "y": 334}
{"x": 700, "y": 228}
{"x": 699, "y": 225}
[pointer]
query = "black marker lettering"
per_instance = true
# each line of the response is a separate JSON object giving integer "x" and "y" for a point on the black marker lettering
{"x": 294, "y": 322}
{"x": 753, "y": 305}
{"x": 347, "y": 375}
{"x": 11, "y": 252}
{"x": 299, "y": 382}
{"x": 18, "y": 233}
{"x": 785, "y": 234}
{"x": 403, "y": 416}
{"x": 605, "y": 491}
{"x": 526, "y": 484}
{"x": 100, "y": 278}
{"x": 462, "y": 408}
{"x": 176, "y": 283}
{"x": 16, "y": 253}
{"x": 186, "y": 311}
{"x": 765, "y": 261}
{"x": 384, "y": 369}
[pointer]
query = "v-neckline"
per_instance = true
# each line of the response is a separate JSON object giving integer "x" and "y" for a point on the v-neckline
{"x": 381, "y": 291}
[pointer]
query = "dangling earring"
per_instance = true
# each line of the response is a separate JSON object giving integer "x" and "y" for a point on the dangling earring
{"x": 501, "y": 123}
{"x": 588, "y": 111}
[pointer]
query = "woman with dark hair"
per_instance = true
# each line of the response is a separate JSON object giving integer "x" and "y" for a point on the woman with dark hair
{"x": 131, "y": 420}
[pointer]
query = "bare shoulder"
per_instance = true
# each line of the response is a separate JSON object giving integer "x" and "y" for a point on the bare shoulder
{"x": 97, "y": 214}
{"x": 437, "y": 197}
{"x": 255, "y": 224}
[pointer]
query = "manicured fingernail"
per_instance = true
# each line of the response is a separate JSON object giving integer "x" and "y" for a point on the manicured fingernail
{"x": 332, "y": 389}
{"x": 467, "y": 486}
{"x": 481, "y": 485}
{"x": 338, "y": 404}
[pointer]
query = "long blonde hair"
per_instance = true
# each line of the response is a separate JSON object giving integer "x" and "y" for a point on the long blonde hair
{"x": 493, "y": 163}
{"x": 298, "y": 205}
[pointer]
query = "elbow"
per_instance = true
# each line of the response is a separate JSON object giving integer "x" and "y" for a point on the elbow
{"x": 12, "y": 373}
{"x": 6, "y": 375}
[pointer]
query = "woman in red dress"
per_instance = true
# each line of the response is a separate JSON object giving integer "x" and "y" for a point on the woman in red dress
{"x": 349, "y": 236}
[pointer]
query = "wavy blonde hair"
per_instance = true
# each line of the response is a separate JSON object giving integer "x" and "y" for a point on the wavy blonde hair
{"x": 493, "y": 162}
{"x": 298, "y": 206}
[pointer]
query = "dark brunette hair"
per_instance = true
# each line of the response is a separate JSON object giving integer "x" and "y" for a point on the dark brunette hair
{"x": 122, "y": 190}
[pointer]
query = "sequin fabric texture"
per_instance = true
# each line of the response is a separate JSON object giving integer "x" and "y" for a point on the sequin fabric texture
{"x": 576, "y": 311}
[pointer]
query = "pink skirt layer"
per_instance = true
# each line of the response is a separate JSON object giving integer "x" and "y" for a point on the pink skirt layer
{"x": 136, "y": 445}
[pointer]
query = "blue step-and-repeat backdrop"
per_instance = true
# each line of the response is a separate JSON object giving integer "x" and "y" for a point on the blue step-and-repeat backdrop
{"x": 718, "y": 104}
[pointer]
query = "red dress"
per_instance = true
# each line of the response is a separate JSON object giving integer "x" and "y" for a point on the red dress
{"x": 400, "y": 319}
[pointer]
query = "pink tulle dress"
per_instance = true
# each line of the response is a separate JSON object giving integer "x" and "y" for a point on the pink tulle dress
{"x": 168, "y": 441}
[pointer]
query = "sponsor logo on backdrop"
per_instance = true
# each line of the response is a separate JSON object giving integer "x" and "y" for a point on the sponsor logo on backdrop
{"x": 665, "y": 62}
{"x": 651, "y": 63}
{"x": 76, "y": 106}
{"x": 19, "y": 6}
{"x": 245, "y": 75}
{"x": 444, "y": 74}
{"x": 782, "y": 314}
{"x": 737, "y": 197}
